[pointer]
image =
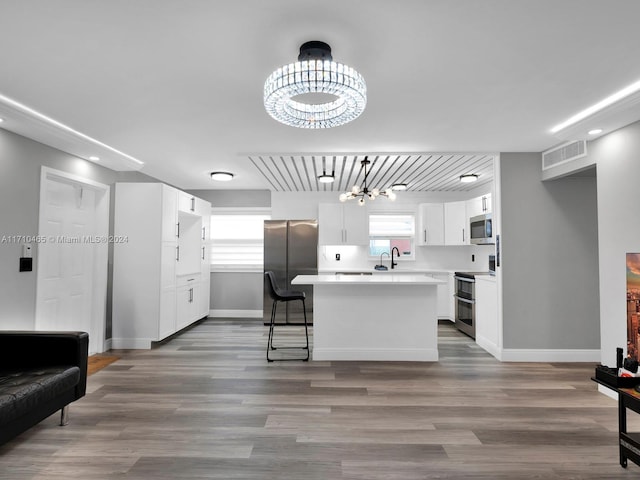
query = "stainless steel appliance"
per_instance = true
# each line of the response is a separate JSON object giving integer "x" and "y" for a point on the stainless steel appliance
{"x": 481, "y": 229}
{"x": 465, "y": 301}
{"x": 290, "y": 249}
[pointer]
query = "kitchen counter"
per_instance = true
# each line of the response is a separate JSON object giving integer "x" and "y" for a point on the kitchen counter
{"x": 388, "y": 279}
{"x": 374, "y": 317}
{"x": 397, "y": 270}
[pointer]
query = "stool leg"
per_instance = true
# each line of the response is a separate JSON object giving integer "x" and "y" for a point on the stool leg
{"x": 306, "y": 330}
{"x": 271, "y": 324}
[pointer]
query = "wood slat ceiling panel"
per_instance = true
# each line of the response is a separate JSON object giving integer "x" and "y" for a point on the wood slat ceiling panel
{"x": 427, "y": 172}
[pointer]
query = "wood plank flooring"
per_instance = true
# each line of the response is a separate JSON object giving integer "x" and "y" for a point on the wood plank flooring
{"x": 207, "y": 405}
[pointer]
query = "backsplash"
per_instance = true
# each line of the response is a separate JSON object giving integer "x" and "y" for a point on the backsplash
{"x": 426, "y": 257}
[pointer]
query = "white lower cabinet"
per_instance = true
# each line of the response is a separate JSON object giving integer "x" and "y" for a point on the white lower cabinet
{"x": 191, "y": 294}
{"x": 487, "y": 328}
{"x": 445, "y": 298}
{"x": 164, "y": 246}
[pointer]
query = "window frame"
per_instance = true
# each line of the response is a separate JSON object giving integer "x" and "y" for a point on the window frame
{"x": 411, "y": 237}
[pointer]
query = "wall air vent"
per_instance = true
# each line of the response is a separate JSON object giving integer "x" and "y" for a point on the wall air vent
{"x": 564, "y": 153}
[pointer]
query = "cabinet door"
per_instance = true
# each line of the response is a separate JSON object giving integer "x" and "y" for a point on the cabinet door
{"x": 355, "y": 222}
{"x": 202, "y": 207}
{"x": 430, "y": 224}
{"x": 474, "y": 207}
{"x": 479, "y": 205}
{"x": 186, "y": 202}
{"x": 184, "y": 309}
{"x": 445, "y": 297}
{"x": 486, "y": 205}
{"x": 167, "y": 322}
{"x": 168, "y": 262}
{"x": 330, "y": 231}
{"x": 455, "y": 224}
{"x": 169, "y": 214}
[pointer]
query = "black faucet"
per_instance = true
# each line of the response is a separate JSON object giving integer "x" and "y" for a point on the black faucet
{"x": 393, "y": 264}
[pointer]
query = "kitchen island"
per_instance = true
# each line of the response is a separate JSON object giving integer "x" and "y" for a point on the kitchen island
{"x": 374, "y": 317}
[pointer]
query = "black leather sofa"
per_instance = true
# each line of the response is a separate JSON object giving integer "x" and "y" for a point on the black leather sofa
{"x": 40, "y": 373}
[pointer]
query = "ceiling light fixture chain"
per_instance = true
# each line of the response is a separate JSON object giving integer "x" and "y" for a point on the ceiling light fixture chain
{"x": 363, "y": 192}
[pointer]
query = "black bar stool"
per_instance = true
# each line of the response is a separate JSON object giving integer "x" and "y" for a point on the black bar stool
{"x": 279, "y": 295}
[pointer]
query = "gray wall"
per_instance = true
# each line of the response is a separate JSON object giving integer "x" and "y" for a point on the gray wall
{"x": 235, "y": 198}
{"x": 549, "y": 258}
{"x": 21, "y": 160}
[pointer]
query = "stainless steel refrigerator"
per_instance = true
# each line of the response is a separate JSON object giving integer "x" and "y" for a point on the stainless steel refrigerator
{"x": 290, "y": 249}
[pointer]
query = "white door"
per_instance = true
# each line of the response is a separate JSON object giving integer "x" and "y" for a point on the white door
{"x": 71, "y": 258}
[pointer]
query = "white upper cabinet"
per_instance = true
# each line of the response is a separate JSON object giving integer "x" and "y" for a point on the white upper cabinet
{"x": 342, "y": 224}
{"x": 430, "y": 229}
{"x": 455, "y": 224}
{"x": 479, "y": 205}
{"x": 189, "y": 204}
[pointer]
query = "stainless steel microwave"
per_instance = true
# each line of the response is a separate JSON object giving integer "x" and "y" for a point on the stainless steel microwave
{"x": 481, "y": 230}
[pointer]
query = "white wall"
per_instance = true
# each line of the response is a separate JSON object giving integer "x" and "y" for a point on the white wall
{"x": 617, "y": 157}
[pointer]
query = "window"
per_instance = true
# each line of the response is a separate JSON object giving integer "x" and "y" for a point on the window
{"x": 237, "y": 239}
{"x": 387, "y": 231}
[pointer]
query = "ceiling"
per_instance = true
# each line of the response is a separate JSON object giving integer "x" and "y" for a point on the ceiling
{"x": 178, "y": 84}
{"x": 435, "y": 172}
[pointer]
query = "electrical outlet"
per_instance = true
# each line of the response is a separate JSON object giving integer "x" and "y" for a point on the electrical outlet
{"x": 337, "y": 257}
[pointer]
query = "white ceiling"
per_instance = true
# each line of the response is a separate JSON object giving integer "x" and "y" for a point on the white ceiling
{"x": 178, "y": 84}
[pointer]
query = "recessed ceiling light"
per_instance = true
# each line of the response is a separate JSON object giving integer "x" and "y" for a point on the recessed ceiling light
{"x": 595, "y": 131}
{"x": 1, "y": 119}
{"x": 611, "y": 99}
{"x": 221, "y": 176}
{"x": 399, "y": 186}
{"x": 326, "y": 178}
{"x": 93, "y": 158}
{"x": 468, "y": 178}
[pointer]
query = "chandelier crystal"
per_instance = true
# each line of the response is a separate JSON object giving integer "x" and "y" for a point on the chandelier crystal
{"x": 363, "y": 192}
{"x": 341, "y": 89}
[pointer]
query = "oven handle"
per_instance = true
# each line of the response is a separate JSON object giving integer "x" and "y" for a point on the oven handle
{"x": 460, "y": 299}
{"x": 465, "y": 279}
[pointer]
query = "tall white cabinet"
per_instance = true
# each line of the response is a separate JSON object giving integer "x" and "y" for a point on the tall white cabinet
{"x": 160, "y": 273}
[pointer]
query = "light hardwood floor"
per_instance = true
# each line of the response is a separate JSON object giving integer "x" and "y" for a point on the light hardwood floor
{"x": 207, "y": 405}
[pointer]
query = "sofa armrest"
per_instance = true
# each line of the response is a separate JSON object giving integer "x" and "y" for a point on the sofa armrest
{"x": 26, "y": 349}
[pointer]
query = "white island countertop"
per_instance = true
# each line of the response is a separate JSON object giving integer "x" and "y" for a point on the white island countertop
{"x": 388, "y": 279}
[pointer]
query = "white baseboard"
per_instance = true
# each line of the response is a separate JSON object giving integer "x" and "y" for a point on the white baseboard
{"x": 236, "y": 313}
{"x": 489, "y": 346}
{"x": 108, "y": 345}
{"x": 608, "y": 392}
{"x": 549, "y": 355}
{"x": 376, "y": 354}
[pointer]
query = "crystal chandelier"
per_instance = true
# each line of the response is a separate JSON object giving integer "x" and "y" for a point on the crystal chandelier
{"x": 315, "y": 91}
{"x": 363, "y": 192}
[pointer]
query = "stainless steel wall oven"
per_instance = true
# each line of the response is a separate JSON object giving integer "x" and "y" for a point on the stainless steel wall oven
{"x": 465, "y": 302}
